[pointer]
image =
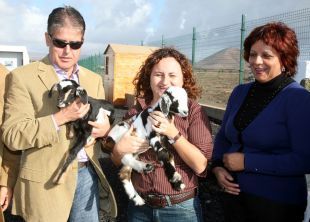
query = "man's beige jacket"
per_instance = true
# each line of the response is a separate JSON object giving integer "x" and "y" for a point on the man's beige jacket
{"x": 28, "y": 126}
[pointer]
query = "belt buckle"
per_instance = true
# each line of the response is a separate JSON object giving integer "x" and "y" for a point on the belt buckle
{"x": 155, "y": 201}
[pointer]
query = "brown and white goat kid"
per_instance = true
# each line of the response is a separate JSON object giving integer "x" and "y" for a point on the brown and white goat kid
{"x": 172, "y": 102}
{"x": 68, "y": 92}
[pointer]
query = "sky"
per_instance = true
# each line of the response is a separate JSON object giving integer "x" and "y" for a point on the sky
{"x": 23, "y": 22}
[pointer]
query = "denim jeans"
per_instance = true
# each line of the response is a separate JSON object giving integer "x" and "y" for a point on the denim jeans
{"x": 85, "y": 205}
{"x": 189, "y": 210}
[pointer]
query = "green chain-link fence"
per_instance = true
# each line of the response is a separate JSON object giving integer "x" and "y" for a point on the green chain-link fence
{"x": 216, "y": 53}
{"x": 94, "y": 63}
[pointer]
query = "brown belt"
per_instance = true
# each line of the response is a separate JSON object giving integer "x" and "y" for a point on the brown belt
{"x": 159, "y": 201}
{"x": 83, "y": 164}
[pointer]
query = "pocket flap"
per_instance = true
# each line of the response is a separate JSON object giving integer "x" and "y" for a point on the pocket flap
{"x": 31, "y": 174}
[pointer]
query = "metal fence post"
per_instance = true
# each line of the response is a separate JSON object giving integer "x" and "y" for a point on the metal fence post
{"x": 241, "y": 64}
{"x": 162, "y": 41}
{"x": 193, "y": 46}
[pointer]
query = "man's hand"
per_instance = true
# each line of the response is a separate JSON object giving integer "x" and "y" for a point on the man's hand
{"x": 74, "y": 111}
{"x": 100, "y": 128}
{"x": 6, "y": 194}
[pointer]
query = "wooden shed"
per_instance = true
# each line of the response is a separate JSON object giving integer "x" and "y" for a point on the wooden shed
{"x": 122, "y": 62}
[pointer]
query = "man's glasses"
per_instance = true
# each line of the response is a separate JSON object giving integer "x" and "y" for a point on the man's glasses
{"x": 62, "y": 44}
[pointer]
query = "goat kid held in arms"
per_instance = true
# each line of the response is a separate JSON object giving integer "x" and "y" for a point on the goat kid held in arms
{"x": 68, "y": 92}
{"x": 35, "y": 125}
{"x": 191, "y": 149}
{"x": 172, "y": 102}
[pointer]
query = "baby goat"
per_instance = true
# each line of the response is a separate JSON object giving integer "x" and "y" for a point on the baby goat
{"x": 68, "y": 92}
{"x": 173, "y": 101}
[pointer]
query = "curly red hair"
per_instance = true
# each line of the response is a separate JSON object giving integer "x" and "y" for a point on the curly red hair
{"x": 280, "y": 37}
{"x": 142, "y": 79}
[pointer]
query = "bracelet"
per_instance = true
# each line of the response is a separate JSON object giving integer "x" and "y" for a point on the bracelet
{"x": 174, "y": 139}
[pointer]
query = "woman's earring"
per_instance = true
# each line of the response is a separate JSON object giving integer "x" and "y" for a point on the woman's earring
{"x": 283, "y": 69}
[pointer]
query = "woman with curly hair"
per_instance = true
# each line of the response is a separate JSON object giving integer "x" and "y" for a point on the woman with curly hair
{"x": 261, "y": 153}
{"x": 190, "y": 139}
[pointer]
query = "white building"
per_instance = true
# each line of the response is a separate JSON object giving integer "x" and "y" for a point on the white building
{"x": 303, "y": 70}
{"x": 13, "y": 56}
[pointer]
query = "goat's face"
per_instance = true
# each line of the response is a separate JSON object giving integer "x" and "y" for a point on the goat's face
{"x": 174, "y": 101}
{"x": 68, "y": 92}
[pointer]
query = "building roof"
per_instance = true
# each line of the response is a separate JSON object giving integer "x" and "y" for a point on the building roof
{"x": 134, "y": 49}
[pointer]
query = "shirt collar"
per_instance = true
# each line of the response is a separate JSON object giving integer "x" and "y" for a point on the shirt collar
{"x": 58, "y": 70}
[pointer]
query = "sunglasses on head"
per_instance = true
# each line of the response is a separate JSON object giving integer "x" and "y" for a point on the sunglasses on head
{"x": 62, "y": 44}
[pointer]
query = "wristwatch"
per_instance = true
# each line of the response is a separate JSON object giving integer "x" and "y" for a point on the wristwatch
{"x": 174, "y": 139}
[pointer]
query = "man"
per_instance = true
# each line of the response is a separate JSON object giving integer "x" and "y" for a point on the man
{"x": 11, "y": 158}
{"x": 3, "y": 73}
{"x": 33, "y": 124}
{"x": 4, "y": 191}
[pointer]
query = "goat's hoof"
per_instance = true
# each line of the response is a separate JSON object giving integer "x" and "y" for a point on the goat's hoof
{"x": 178, "y": 186}
{"x": 176, "y": 177}
{"x": 148, "y": 168}
{"x": 59, "y": 180}
{"x": 138, "y": 201}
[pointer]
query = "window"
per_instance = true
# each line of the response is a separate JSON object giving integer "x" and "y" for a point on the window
{"x": 107, "y": 65}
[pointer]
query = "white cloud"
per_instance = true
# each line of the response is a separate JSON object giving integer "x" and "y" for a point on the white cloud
{"x": 119, "y": 21}
{"x": 149, "y": 34}
{"x": 134, "y": 19}
{"x": 131, "y": 21}
{"x": 22, "y": 25}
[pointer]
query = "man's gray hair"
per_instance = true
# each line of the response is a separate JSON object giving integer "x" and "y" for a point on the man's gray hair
{"x": 59, "y": 16}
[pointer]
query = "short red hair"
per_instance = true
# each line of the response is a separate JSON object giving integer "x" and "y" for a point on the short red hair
{"x": 280, "y": 37}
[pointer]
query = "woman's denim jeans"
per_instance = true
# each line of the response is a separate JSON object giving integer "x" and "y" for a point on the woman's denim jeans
{"x": 189, "y": 210}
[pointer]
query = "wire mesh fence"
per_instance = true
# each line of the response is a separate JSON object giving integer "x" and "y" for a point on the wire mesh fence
{"x": 94, "y": 63}
{"x": 215, "y": 53}
{"x": 216, "y": 59}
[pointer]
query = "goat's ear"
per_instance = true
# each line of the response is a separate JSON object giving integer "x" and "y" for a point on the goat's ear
{"x": 82, "y": 94}
{"x": 164, "y": 104}
{"x": 52, "y": 89}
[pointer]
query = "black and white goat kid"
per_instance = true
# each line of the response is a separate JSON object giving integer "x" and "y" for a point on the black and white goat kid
{"x": 172, "y": 102}
{"x": 68, "y": 92}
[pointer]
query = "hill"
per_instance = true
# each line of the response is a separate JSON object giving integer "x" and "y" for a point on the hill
{"x": 218, "y": 74}
{"x": 225, "y": 59}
